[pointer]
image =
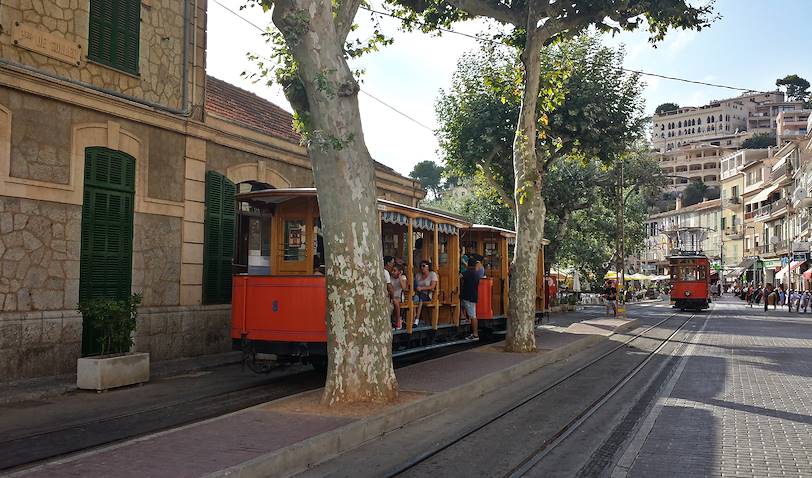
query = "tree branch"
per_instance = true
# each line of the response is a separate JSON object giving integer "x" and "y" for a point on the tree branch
{"x": 344, "y": 16}
{"x": 487, "y": 170}
{"x": 498, "y": 12}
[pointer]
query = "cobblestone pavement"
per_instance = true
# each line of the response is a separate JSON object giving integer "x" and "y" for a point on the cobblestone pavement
{"x": 740, "y": 403}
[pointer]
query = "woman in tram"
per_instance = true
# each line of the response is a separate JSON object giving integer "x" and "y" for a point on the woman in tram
{"x": 425, "y": 284}
{"x": 399, "y": 284}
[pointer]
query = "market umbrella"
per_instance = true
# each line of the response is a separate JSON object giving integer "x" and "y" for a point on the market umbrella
{"x": 576, "y": 282}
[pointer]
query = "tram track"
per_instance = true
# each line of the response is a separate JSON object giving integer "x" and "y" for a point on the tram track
{"x": 570, "y": 426}
{"x": 80, "y": 435}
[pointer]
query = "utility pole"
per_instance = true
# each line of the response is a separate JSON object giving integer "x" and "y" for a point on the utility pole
{"x": 619, "y": 240}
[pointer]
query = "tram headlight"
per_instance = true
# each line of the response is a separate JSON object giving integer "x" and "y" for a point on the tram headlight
{"x": 687, "y": 293}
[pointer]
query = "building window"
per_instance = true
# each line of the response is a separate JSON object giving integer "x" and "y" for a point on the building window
{"x": 105, "y": 266}
{"x": 218, "y": 242}
{"x": 113, "y": 37}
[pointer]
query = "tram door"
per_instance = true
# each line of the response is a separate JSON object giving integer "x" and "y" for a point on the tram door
{"x": 293, "y": 237}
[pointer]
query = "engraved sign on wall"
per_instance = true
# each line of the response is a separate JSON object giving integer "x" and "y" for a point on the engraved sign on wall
{"x": 45, "y": 43}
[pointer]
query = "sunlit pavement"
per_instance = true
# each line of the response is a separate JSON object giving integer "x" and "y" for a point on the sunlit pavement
{"x": 739, "y": 403}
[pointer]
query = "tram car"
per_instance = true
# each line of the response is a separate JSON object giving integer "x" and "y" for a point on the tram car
{"x": 279, "y": 300}
{"x": 690, "y": 281}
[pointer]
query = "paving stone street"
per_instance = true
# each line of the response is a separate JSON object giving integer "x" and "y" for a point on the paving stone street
{"x": 740, "y": 406}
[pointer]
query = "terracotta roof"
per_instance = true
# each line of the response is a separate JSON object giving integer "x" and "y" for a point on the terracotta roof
{"x": 247, "y": 109}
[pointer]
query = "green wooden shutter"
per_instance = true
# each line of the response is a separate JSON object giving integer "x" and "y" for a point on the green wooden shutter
{"x": 105, "y": 267}
{"x": 114, "y": 31}
{"x": 218, "y": 245}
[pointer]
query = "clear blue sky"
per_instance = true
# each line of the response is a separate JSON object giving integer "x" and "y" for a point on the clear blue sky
{"x": 755, "y": 42}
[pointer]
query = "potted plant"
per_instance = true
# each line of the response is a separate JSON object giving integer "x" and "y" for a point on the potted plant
{"x": 113, "y": 322}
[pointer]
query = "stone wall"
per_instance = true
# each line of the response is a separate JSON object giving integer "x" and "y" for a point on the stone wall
{"x": 160, "y": 79}
{"x": 172, "y": 332}
{"x": 39, "y": 255}
{"x": 166, "y": 165}
{"x": 40, "y": 333}
{"x": 156, "y": 258}
{"x": 220, "y": 158}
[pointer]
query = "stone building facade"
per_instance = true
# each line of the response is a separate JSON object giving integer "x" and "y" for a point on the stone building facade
{"x": 69, "y": 116}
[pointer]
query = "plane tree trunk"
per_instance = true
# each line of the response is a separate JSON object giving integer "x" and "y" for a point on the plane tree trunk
{"x": 326, "y": 100}
{"x": 530, "y": 209}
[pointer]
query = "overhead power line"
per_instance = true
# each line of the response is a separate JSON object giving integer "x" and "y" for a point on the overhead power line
{"x": 627, "y": 70}
{"x": 415, "y": 121}
{"x": 488, "y": 40}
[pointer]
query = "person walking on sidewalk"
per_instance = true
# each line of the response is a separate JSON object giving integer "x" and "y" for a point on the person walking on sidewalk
{"x": 610, "y": 295}
{"x": 469, "y": 294}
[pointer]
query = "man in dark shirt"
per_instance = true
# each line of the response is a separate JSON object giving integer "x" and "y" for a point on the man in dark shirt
{"x": 610, "y": 294}
{"x": 469, "y": 295}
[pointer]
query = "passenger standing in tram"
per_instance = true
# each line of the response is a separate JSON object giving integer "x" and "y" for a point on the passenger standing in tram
{"x": 388, "y": 262}
{"x": 425, "y": 282}
{"x": 399, "y": 284}
{"x": 469, "y": 294}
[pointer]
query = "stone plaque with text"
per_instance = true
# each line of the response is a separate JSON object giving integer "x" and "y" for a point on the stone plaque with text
{"x": 45, "y": 43}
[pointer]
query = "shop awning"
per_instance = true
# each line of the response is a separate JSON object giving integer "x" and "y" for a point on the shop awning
{"x": 743, "y": 266}
{"x": 763, "y": 195}
{"x": 786, "y": 270}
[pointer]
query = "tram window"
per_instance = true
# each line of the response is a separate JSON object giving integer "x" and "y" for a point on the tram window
{"x": 318, "y": 247}
{"x": 469, "y": 247}
{"x": 295, "y": 242}
{"x": 418, "y": 248}
{"x": 259, "y": 245}
{"x": 443, "y": 253}
{"x": 491, "y": 255}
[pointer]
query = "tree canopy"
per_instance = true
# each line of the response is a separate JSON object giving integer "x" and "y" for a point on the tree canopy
{"x": 759, "y": 141}
{"x": 600, "y": 115}
{"x": 430, "y": 175}
{"x": 797, "y": 88}
{"x": 665, "y": 107}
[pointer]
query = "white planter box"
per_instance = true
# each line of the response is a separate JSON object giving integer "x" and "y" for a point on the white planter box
{"x": 101, "y": 373}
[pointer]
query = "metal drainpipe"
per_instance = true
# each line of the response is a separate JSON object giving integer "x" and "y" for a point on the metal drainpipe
{"x": 186, "y": 111}
{"x": 194, "y": 53}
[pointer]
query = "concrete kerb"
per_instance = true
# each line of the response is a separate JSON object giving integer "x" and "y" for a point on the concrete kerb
{"x": 298, "y": 457}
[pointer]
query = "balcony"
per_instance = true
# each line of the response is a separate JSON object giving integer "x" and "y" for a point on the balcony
{"x": 733, "y": 233}
{"x": 769, "y": 211}
{"x": 801, "y": 197}
{"x": 778, "y": 247}
{"x": 732, "y": 202}
{"x": 783, "y": 171}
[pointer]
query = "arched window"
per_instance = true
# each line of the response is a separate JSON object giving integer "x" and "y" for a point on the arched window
{"x": 679, "y": 124}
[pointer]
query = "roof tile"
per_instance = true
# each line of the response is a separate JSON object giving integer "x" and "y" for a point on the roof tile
{"x": 243, "y": 107}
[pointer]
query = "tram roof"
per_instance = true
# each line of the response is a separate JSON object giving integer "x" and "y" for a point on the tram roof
{"x": 276, "y": 196}
{"x": 688, "y": 256}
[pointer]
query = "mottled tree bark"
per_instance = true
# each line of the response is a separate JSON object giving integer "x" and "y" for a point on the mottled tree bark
{"x": 358, "y": 329}
{"x": 530, "y": 209}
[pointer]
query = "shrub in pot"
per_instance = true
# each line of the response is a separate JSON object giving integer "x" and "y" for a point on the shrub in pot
{"x": 113, "y": 321}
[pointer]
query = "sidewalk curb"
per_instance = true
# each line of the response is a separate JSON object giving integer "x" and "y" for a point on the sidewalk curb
{"x": 300, "y": 456}
{"x": 42, "y": 388}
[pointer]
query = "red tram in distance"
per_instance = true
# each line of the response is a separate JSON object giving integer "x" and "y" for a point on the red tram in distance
{"x": 279, "y": 305}
{"x": 690, "y": 281}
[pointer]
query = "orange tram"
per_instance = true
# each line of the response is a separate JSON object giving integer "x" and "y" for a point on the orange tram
{"x": 279, "y": 300}
{"x": 690, "y": 281}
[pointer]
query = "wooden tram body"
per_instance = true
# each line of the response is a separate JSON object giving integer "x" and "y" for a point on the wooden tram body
{"x": 690, "y": 281}
{"x": 282, "y": 310}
